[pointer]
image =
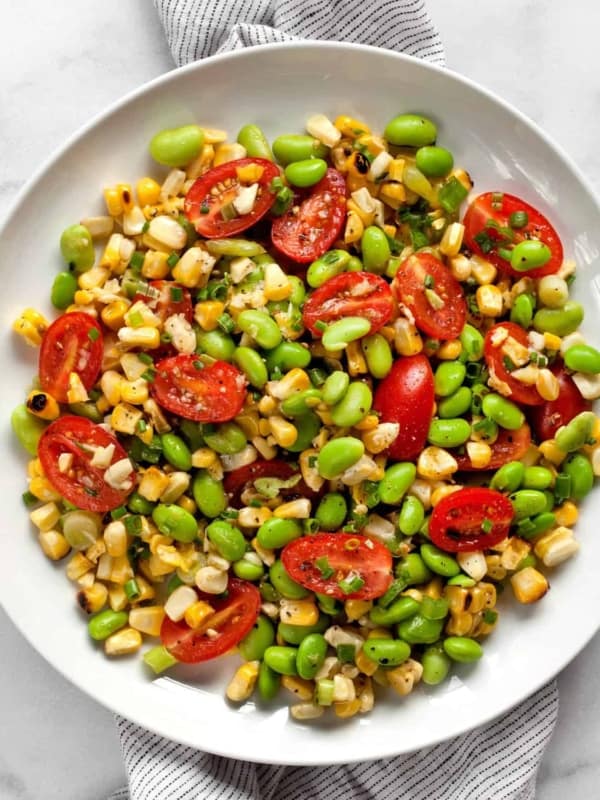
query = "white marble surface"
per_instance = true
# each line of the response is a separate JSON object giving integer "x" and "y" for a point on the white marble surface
{"x": 63, "y": 62}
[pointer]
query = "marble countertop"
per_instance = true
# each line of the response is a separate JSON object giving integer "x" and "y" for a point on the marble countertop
{"x": 61, "y": 63}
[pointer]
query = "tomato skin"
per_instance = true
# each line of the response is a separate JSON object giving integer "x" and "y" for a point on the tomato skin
{"x": 350, "y": 294}
{"x": 345, "y": 552}
{"x": 520, "y": 393}
{"x": 64, "y": 436}
{"x": 509, "y": 446}
{"x": 549, "y": 417}
{"x": 67, "y": 347}
{"x": 212, "y": 225}
{"x": 480, "y": 211}
{"x": 406, "y": 395}
{"x": 307, "y": 231}
{"x": 212, "y": 394}
{"x": 192, "y": 646}
{"x": 455, "y": 523}
{"x": 409, "y": 288}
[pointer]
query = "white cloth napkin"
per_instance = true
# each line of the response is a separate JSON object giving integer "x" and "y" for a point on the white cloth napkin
{"x": 498, "y": 761}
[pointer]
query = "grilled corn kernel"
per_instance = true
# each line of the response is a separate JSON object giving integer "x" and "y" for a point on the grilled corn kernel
{"x": 165, "y": 233}
{"x": 78, "y": 565}
{"x": 115, "y": 538}
{"x": 41, "y": 487}
{"x": 294, "y": 509}
{"x": 117, "y": 599}
{"x": 449, "y": 351}
{"x": 489, "y": 300}
{"x": 114, "y": 203}
{"x": 551, "y": 452}
{"x": 480, "y": 454}
{"x": 396, "y": 170}
{"x": 250, "y": 517}
{"x": 134, "y": 392}
{"x": 155, "y": 266}
{"x": 460, "y": 267}
{"x": 355, "y": 359}
{"x": 243, "y": 682}
{"x": 566, "y": 514}
{"x": 515, "y": 551}
{"x": 42, "y": 405}
{"x": 529, "y": 585}
{"x": 211, "y": 580}
{"x": 110, "y": 383}
{"x": 203, "y": 457}
{"x": 407, "y": 339}
{"x": 99, "y": 227}
{"x": 354, "y": 228}
{"x": 54, "y": 544}
{"x": 113, "y": 314}
{"x": 304, "y": 711}
{"x": 283, "y": 432}
{"x": 93, "y": 598}
{"x": 31, "y": 325}
{"x": 179, "y": 483}
{"x": 153, "y": 484}
{"x": 299, "y": 612}
{"x": 125, "y": 418}
{"x": 547, "y": 385}
{"x": 207, "y": 314}
{"x": 83, "y": 297}
{"x": 494, "y": 567}
{"x": 147, "y": 619}
{"x": 483, "y": 270}
{"x": 403, "y": 678}
{"x": 123, "y": 642}
{"x": 365, "y": 664}
{"x": 45, "y": 517}
{"x": 556, "y": 546}
{"x": 435, "y": 463}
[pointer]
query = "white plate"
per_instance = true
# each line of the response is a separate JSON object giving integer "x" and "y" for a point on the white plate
{"x": 277, "y": 87}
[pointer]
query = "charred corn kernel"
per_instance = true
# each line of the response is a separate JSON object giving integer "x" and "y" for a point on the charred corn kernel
{"x": 179, "y": 483}
{"x": 124, "y": 418}
{"x": 354, "y": 228}
{"x": 207, "y": 314}
{"x": 495, "y": 570}
{"x": 556, "y": 546}
{"x": 243, "y": 682}
{"x": 113, "y": 314}
{"x": 547, "y": 384}
{"x": 434, "y": 588}
{"x": 355, "y": 609}
{"x": 155, "y": 266}
{"x": 483, "y": 270}
{"x": 76, "y": 391}
{"x": 114, "y": 203}
{"x": 452, "y": 239}
{"x": 153, "y": 484}
{"x": 403, "y": 678}
{"x": 380, "y": 437}
{"x": 115, "y": 538}
{"x": 393, "y": 194}
{"x": 125, "y": 195}
{"x": 355, "y": 359}
{"x": 157, "y": 418}
{"x": 123, "y": 642}
{"x": 117, "y": 599}
{"x": 396, "y": 170}
{"x": 54, "y": 544}
{"x": 366, "y": 217}
{"x": 303, "y": 689}
{"x": 304, "y": 711}
{"x": 203, "y": 457}
{"x": 299, "y": 612}
{"x": 83, "y": 297}
{"x": 135, "y": 392}
{"x": 457, "y": 598}
{"x": 121, "y": 570}
{"x": 283, "y": 432}
{"x": 198, "y": 613}
{"x": 41, "y": 487}
{"x": 551, "y": 452}
{"x": 294, "y": 509}
{"x": 147, "y": 619}
{"x": 480, "y": 454}
{"x": 110, "y": 383}
{"x": 277, "y": 284}
{"x": 86, "y": 580}
{"x": 99, "y": 227}
{"x": 250, "y": 173}
{"x": 459, "y": 624}
{"x": 42, "y": 405}
{"x": 31, "y": 325}
{"x": 227, "y": 151}
{"x": 365, "y": 664}
{"x": 489, "y": 300}
{"x": 45, "y": 517}
{"x": 350, "y": 127}
{"x": 147, "y": 191}
{"x": 515, "y": 551}
{"x": 449, "y": 351}
{"x": 250, "y": 517}
{"x": 435, "y": 463}
{"x": 132, "y": 366}
{"x": 529, "y": 585}
{"x": 140, "y": 337}
{"x": 407, "y": 339}
{"x": 567, "y": 514}
{"x": 347, "y": 709}
{"x": 78, "y": 565}
{"x": 146, "y": 590}
{"x": 93, "y": 598}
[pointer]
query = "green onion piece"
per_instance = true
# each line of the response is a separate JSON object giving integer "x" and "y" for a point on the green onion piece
{"x": 174, "y": 583}
{"x": 346, "y": 653}
{"x": 352, "y": 584}
{"x": 132, "y": 590}
{"x": 172, "y": 260}
{"x": 119, "y": 512}
{"x": 29, "y": 499}
{"x": 204, "y": 208}
{"x": 504, "y": 253}
{"x": 488, "y": 428}
{"x": 310, "y": 525}
{"x": 562, "y": 487}
{"x": 321, "y": 326}
{"x": 165, "y": 337}
{"x": 324, "y": 692}
{"x": 490, "y": 616}
{"x": 317, "y": 376}
{"x": 145, "y": 226}
{"x": 148, "y": 375}
{"x": 93, "y": 334}
{"x": 325, "y": 568}
{"x": 487, "y": 525}
{"x": 176, "y": 291}
{"x": 159, "y": 659}
{"x": 133, "y": 524}
{"x": 525, "y": 527}
{"x": 145, "y": 358}
{"x": 136, "y": 262}
{"x": 226, "y": 323}
{"x": 451, "y": 195}
{"x": 141, "y": 425}
{"x": 429, "y": 282}
{"x": 135, "y": 319}
{"x": 397, "y": 586}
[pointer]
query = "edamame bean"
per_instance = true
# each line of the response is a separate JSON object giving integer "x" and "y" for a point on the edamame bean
{"x": 461, "y": 580}
{"x": 412, "y": 515}
{"x": 276, "y": 533}
{"x": 527, "y": 503}
{"x": 553, "y": 291}
{"x": 331, "y": 511}
{"x": 449, "y": 377}
{"x": 420, "y": 630}
{"x": 87, "y": 410}
{"x": 311, "y": 655}
{"x": 338, "y": 455}
{"x": 253, "y": 139}
{"x": 209, "y": 494}
{"x": 298, "y": 404}
{"x": 236, "y": 247}
{"x": 462, "y": 649}
{"x": 107, "y": 622}
{"x": 448, "y": 432}
{"x": 77, "y": 248}
{"x": 268, "y": 682}
{"x": 472, "y": 344}
{"x": 559, "y": 321}
{"x": 335, "y": 387}
{"x": 260, "y": 327}
{"x": 354, "y": 405}
{"x": 292, "y": 147}
{"x": 539, "y": 524}
{"x": 298, "y": 294}
{"x": 439, "y": 562}
{"x": 215, "y": 344}
{"x": 176, "y": 147}
{"x": 27, "y": 428}
{"x": 522, "y": 311}
{"x": 583, "y": 358}
{"x": 575, "y": 433}
{"x": 386, "y": 652}
{"x": 327, "y": 266}
{"x": 226, "y": 439}
{"x": 411, "y": 130}
{"x": 509, "y": 477}
{"x": 192, "y": 432}
{"x": 457, "y": 404}
{"x": 434, "y": 608}
{"x": 253, "y": 646}
{"x": 502, "y": 411}
{"x": 308, "y": 426}
{"x": 529, "y": 254}
{"x": 354, "y": 265}
{"x": 252, "y": 365}
{"x": 434, "y": 162}
{"x": 248, "y": 570}
{"x": 228, "y": 540}
{"x": 63, "y": 290}
{"x": 139, "y": 505}
{"x": 306, "y": 173}
{"x": 375, "y": 249}
{"x": 295, "y": 634}
{"x": 284, "y": 584}
{"x": 396, "y": 482}
{"x": 340, "y": 333}
{"x": 175, "y": 521}
{"x": 436, "y": 665}
{"x": 288, "y": 355}
{"x": 281, "y": 659}
{"x": 378, "y": 355}
{"x": 399, "y": 610}
{"x": 537, "y": 478}
{"x": 176, "y": 451}
{"x": 579, "y": 469}
{"x": 412, "y": 570}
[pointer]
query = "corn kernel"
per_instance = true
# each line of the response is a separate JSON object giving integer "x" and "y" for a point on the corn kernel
{"x": 228, "y": 152}
{"x": 355, "y": 359}
{"x": 452, "y": 239}
{"x": 153, "y": 484}
{"x": 355, "y": 609}
{"x": 284, "y": 433}
{"x": 566, "y": 514}
{"x": 551, "y": 452}
{"x": 31, "y": 325}
{"x": 114, "y": 203}
{"x": 41, "y": 487}
{"x": 529, "y": 585}
{"x": 125, "y": 418}
{"x": 134, "y": 392}
{"x": 147, "y": 619}
{"x": 407, "y": 339}
{"x": 123, "y": 642}
{"x": 203, "y": 457}
{"x": 354, "y": 228}
{"x": 113, "y": 314}
{"x": 207, "y": 314}
{"x": 393, "y": 194}
{"x": 547, "y": 385}
{"x": 140, "y": 337}
{"x": 155, "y": 266}
{"x": 54, "y": 544}
{"x": 489, "y": 300}
{"x": 449, "y": 351}
{"x": 556, "y": 546}
{"x": 277, "y": 284}
{"x": 304, "y": 711}
{"x": 148, "y": 191}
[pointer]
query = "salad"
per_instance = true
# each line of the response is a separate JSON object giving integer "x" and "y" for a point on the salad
{"x": 300, "y": 404}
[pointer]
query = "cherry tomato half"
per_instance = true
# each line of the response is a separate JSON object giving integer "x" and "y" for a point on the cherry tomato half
{"x": 73, "y": 343}
{"x": 184, "y": 385}
{"x": 509, "y": 446}
{"x": 422, "y": 272}
{"x": 236, "y": 481}
{"x": 548, "y": 418}
{"x": 406, "y": 395}
{"x": 205, "y": 202}
{"x": 497, "y": 208}
{"x": 494, "y": 358}
{"x": 308, "y": 230}
{"x": 234, "y": 616}
{"x": 82, "y": 484}
{"x": 351, "y": 294}
{"x": 167, "y": 298}
{"x": 323, "y": 561}
{"x": 470, "y": 519}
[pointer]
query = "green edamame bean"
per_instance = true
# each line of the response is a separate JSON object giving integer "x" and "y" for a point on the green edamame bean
{"x": 175, "y": 521}
{"x": 378, "y": 355}
{"x": 579, "y": 469}
{"x": 522, "y": 311}
{"x": 308, "y": 426}
{"x": 472, "y": 344}
{"x": 399, "y": 610}
{"x": 293, "y": 147}
{"x": 107, "y": 622}
{"x": 527, "y": 503}
{"x": 575, "y": 433}
{"x": 176, "y": 451}
{"x": 248, "y": 570}
{"x": 268, "y": 682}
{"x": 87, "y": 410}
{"x": 339, "y": 455}
{"x": 327, "y": 266}
{"x": 228, "y": 540}
{"x": 276, "y": 533}
{"x": 420, "y": 630}
{"x": 354, "y": 265}
{"x": 253, "y": 646}
{"x": 284, "y": 584}
{"x": 236, "y": 247}
{"x": 537, "y": 478}
{"x": 502, "y": 411}
{"x": 396, "y": 482}
{"x": 448, "y": 377}
{"x": 529, "y": 254}
{"x": 253, "y": 139}
{"x": 295, "y": 634}
{"x": 439, "y": 562}
{"x": 311, "y": 655}
{"x": 509, "y": 477}
{"x": 298, "y": 404}
{"x": 252, "y": 365}
{"x": 288, "y": 355}
{"x": 434, "y": 608}
{"x": 331, "y": 511}
{"x": 354, "y": 405}
{"x": 550, "y": 500}
{"x": 63, "y": 290}
{"x": 227, "y": 438}
{"x": 77, "y": 248}
{"x": 139, "y": 505}
{"x": 412, "y": 570}
{"x": 461, "y": 580}
{"x": 346, "y": 330}
{"x": 559, "y": 321}
{"x": 281, "y": 659}
{"x": 306, "y": 173}
{"x": 411, "y": 130}
{"x": 298, "y": 294}
{"x": 215, "y": 344}
{"x": 386, "y": 652}
{"x": 412, "y": 516}
{"x": 436, "y": 665}
{"x": 539, "y": 524}
{"x": 335, "y": 387}
{"x": 457, "y": 404}
{"x": 462, "y": 649}
{"x": 27, "y": 428}
{"x": 260, "y": 327}
{"x": 434, "y": 162}
{"x": 375, "y": 249}
{"x": 209, "y": 494}
{"x": 192, "y": 432}
{"x": 176, "y": 147}
{"x": 583, "y": 358}
{"x": 448, "y": 432}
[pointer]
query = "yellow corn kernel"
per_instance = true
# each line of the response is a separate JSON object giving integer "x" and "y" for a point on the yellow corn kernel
{"x": 435, "y": 463}
{"x": 34, "y": 468}
{"x": 78, "y": 565}
{"x": 194, "y": 267}
{"x": 197, "y": 613}
{"x": 121, "y": 570}
{"x": 448, "y": 351}
{"x": 83, "y": 297}
{"x": 556, "y": 546}
{"x": 452, "y": 239}
{"x": 250, "y": 173}
{"x": 147, "y": 191}
{"x": 113, "y": 314}
{"x": 93, "y": 598}
{"x": 551, "y": 452}
{"x": 54, "y": 544}
{"x": 354, "y": 228}
{"x": 203, "y": 458}
{"x": 153, "y": 484}
{"x": 347, "y": 708}
{"x": 567, "y": 514}
{"x": 135, "y": 392}
{"x": 146, "y": 590}
{"x": 226, "y": 151}
{"x": 365, "y": 664}
{"x": 140, "y": 314}
{"x": 124, "y": 418}
{"x": 277, "y": 285}
{"x": 99, "y": 227}
{"x": 510, "y": 558}
{"x": 147, "y": 619}
{"x": 547, "y": 385}
{"x": 367, "y": 217}
{"x": 202, "y": 162}
{"x": 158, "y": 540}
{"x": 529, "y": 585}
{"x": 115, "y": 538}
{"x": 407, "y": 339}
{"x": 125, "y": 195}
{"x": 299, "y": 612}
{"x": 374, "y": 144}
{"x": 140, "y": 337}
{"x": 117, "y": 599}
{"x": 355, "y": 359}
{"x": 489, "y": 300}
{"x": 207, "y": 314}
{"x": 389, "y": 230}
{"x": 460, "y": 267}
{"x": 45, "y": 517}
{"x": 76, "y": 391}
{"x": 482, "y": 270}
{"x": 396, "y": 170}
{"x": 350, "y": 127}
{"x": 155, "y": 266}
{"x": 403, "y": 678}
{"x": 123, "y": 642}
{"x": 463, "y": 177}
{"x": 443, "y": 491}
{"x": 243, "y": 682}
{"x": 303, "y": 689}
{"x": 459, "y": 624}
{"x": 294, "y": 509}
{"x": 551, "y": 341}
{"x": 296, "y": 380}
{"x": 434, "y": 588}
{"x": 41, "y": 487}
{"x": 369, "y": 423}
{"x": 264, "y": 427}
{"x": 267, "y": 405}
{"x": 393, "y": 194}
{"x": 480, "y": 454}
{"x": 42, "y": 405}
{"x": 214, "y": 135}
{"x": 355, "y": 609}
{"x": 494, "y": 568}
{"x": 284, "y": 433}
{"x": 114, "y": 203}
{"x": 31, "y": 325}
{"x": 110, "y": 383}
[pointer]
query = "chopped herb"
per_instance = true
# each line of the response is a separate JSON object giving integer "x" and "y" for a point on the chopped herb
{"x": 276, "y": 184}
{"x": 371, "y": 490}
{"x": 136, "y": 262}
{"x": 486, "y": 428}
{"x": 533, "y": 357}
{"x": 217, "y": 290}
{"x": 509, "y": 364}
{"x": 451, "y": 194}
{"x": 141, "y": 425}
{"x": 119, "y": 512}
{"x": 138, "y": 551}
{"x": 148, "y": 375}
{"x": 132, "y": 589}
{"x": 145, "y": 226}
{"x": 255, "y": 503}
{"x": 320, "y": 326}
{"x": 487, "y": 525}
{"x": 346, "y": 653}
{"x": 204, "y": 208}
{"x": 396, "y": 247}
{"x": 171, "y": 261}
{"x": 150, "y": 453}
{"x": 283, "y": 200}
{"x": 94, "y": 334}
{"x": 489, "y": 616}
{"x": 133, "y": 524}
{"x": 429, "y": 282}
{"x": 542, "y": 361}
{"x": 317, "y": 376}
{"x": 356, "y": 524}
{"x": 176, "y": 291}
{"x": 351, "y": 584}
{"x": 91, "y": 492}
{"x": 570, "y": 279}
{"x": 198, "y": 364}
{"x": 229, "y": 513}
{"x": 505, "y": 233}
{"x": 324, "y": 567}
{"x": 485, "y": 241}
{"x": 29, "y": 499}
{"x": 95, "y": 394}
{"x": 525, "y": 527}
{"x": 397, "y": 586}
{"x": 226, "y": 323}
{"x": 504, "y": 253}
{"x": 145, "y": 358}
{"x": 276, "y": 373}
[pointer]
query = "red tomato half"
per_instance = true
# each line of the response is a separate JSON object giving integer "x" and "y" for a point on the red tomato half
{"x": 73, "y": 343}
{"x": 205, "y": 202}
{"x": 167, "y": 298}
{"x": 307, "y": 231}
{"x": 82, "y": 484}
{"x": 548, "y": 418}
{"x": 185, "y": 386}
{"x": 351, "y": 294}
{"x": 348, "y": 555}
{"x": 238, "y": 480}
{"x": 470, "y": 519}
{"x": 494, "y": 358}
{"x": 481, "y": 211}
{"x": 423, "y": 271}
{"x": 509, "y": 446}
{"x": 406, "y": 395}
{"x": 234, "y": 616}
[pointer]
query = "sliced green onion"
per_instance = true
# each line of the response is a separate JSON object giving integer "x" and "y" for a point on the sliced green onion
{"x": 132, "y": 590}
{"x": 159, "y": 659}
